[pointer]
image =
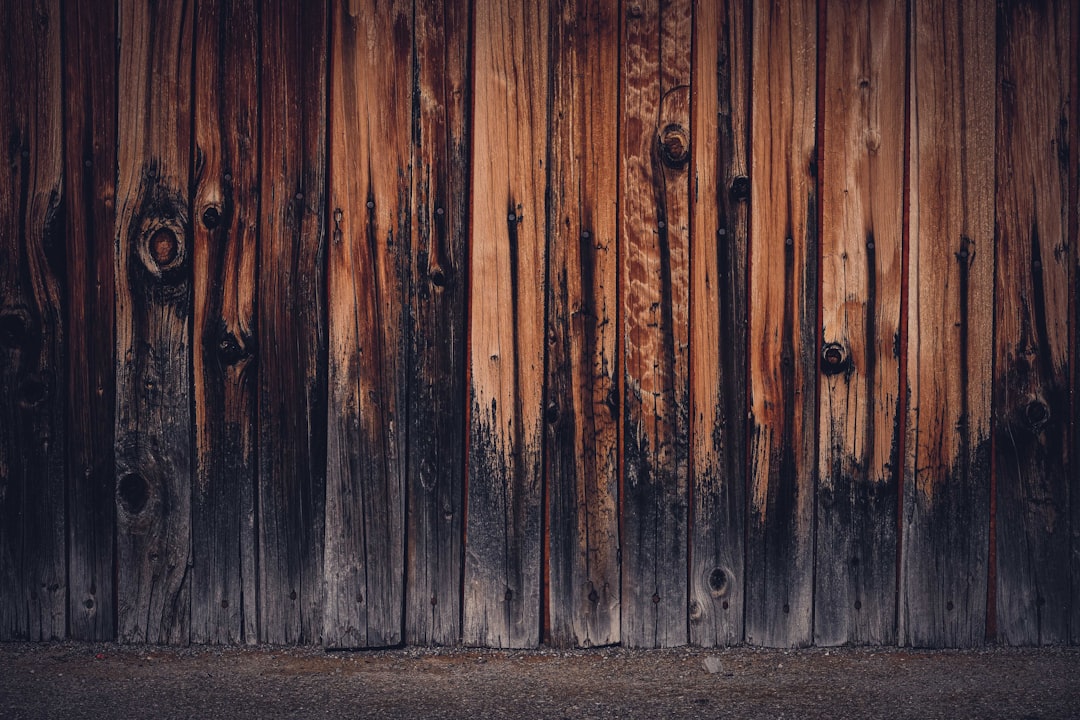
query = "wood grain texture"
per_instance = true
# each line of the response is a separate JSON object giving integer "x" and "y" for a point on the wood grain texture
{"x": 783, "y": 325}
{"x": 1032, "y": 458}
{"x": 89, "y": 38}
{"x": 369, "y": 195}
{"x": 1074, "y": 331}
{"x": 581, "y": 407}
{"x": 950, "y": 325}
{"x": 862, "y": 191}
{"x": 718, "y": 314}
{"x": 154, "y": 454}
{"x": 291, "y": 328}
{"x": 225, "y": 233}
{"x": 654, "y": 289}
{"x": 507, "y": 266}
{"x": 33, "y": 378}
{"x": 436, "y": 350}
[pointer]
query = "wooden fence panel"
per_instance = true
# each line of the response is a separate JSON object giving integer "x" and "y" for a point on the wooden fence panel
{"x": 224, "y": 230}
{"x": 507, "y": 268}
{"x": 370, "y": 120}
{"x": 1032, "y": 460}
{"x": 89, "y": 37}
{"x": 33, "y": 378}
{"x": 581, "y": 408}
{"x": 436, "y": 347}
{"x": 720, "y": 191}
{"x": 291, "y": 328}
{"x": 859, "y": 431}
{"x": 153, "y": 323}
{"x": 1074, "y": 329}
{"x": 654, "y": 287}
{"x": 950, "y": 325}
{"x": 783, "y": 324}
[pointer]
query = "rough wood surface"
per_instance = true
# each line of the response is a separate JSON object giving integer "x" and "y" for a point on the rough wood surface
{"x": 33, "y": 378}
{"x": 581, "y": 407}
{"x": 89, "y": 37}
{"x": 654, "y": 288}
{"x": 506, "y": 324}
{"x": 950, "y": 325}
{"x": 224, "y": 228}
{"x": 720, "y": 192}
{"x": 783, "y": 325}
{"x": 1032, "y": 459}
{"x": 862, "y": 190}
{"x": 370, "y": 124}
{"x": 291, "y": 328}
{"x": 1074, "y": 334}
{"x": 154, "y": 454}
{"x": 436, "y": 347}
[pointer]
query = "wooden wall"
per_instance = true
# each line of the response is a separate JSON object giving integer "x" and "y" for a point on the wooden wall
{"x": 504, "y": 322}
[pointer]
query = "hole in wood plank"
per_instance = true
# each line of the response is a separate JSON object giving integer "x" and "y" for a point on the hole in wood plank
{"x": 834, "y": 359}
{"x": 211, "y": 218}
{"x": 740, "y": 188}
{"x": 1038, "y": 414}
{"x": 133, "y": 492}
{"x": 719, "y": 582}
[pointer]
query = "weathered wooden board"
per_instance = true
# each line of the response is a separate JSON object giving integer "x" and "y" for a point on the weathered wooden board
{"x": 507, "y": 267}
{"x": 653, "y": 293}
{"x": 1032, "y": 458}
{"x": 859, "y": 429}
{"x": 783, "y": 325}
{"x": 946, "y": 486}
{"x": 581, "y": 407}
{"x": 1074, "y": 331}
{"x": 89, "y": 38}
{"x": 224, "y": 229}
{"x": 154, "y": 455}
{"x": 291, "y": 328}
{"x": 720, "y": 191}
{"x": 33, "y": 377}
{"x": 370, "y": 120}
{"x": 436, "y": 345}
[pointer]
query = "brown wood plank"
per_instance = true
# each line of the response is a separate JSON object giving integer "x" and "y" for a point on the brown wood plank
{"x": 436, "y": 382}
{"x": 154, "y": 455}
{"x": 581, "y": 406}
{"x": 89, "y": 37}
{"x": 720, "y": 190}
{"x": 225, "y": 225}
{"x": 783, "y": 324}
{"x": 950, "y": 322}
{"x": 862, "y": 191}
{"x": 1032, "y": 459}
{"x": 654, "y": 288}
{"x": 506, "y": 324}
{"x": 1074, "y": 331}
{"x": 370, "y": 118}
{"x": 291, "y": 328}
{"x": 33, "y": 378}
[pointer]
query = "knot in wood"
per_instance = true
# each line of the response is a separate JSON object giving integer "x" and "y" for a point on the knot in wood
{"x": 133, "y": 493}
{"x": 1037, "y": 413}
{"x": 719, "y": 582}
{"x": 14, "y": 328}
{"x": 211, "y": 217}
{"x": 740, "y": 188}
{"x": 674, "y": 145}
{"x": 161, "y": 247}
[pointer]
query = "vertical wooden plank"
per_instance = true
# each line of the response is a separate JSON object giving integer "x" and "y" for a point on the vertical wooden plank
{"x": 291, "y": 329}
{"x": 506, "y": 324}
{"x": 223, "y": 608}
{"x": 720, "y": 191}
{"x": 153, "y": 322}
{"x": 581, "y": 407}
{"x": 1032, "y": 461}
{"x": 783, "y": 324}
{"x": 33, "y": 395}
{"x": 436, "y": 382}
{"x": 89, "y": 37}
{"x": 950, "y": 325}
{"x": 1074, "y": 328}
{"x": 654, "y": 289}
{"x": 370, "y": 116}
{"x": 862, "y": 191}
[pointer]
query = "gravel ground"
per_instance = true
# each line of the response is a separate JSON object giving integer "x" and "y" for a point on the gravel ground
{"x": 70, "y": 680}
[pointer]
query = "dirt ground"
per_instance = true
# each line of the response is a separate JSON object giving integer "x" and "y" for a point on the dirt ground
{"x": 69, "y": 680}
